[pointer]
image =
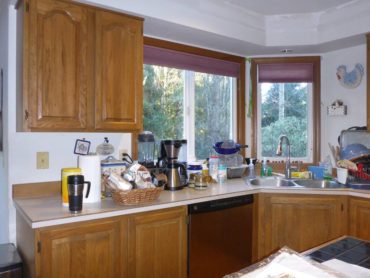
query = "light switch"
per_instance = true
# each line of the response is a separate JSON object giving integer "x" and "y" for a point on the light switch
{"x": 42, "y": 160}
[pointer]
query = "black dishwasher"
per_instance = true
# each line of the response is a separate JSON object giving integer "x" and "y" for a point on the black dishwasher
{"x": 220, "y": 236}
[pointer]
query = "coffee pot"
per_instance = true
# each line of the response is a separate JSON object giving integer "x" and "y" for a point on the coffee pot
{"x": 175, "y": 170}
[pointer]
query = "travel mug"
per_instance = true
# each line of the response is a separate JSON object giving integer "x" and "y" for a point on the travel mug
{"x": 75, "y": 192}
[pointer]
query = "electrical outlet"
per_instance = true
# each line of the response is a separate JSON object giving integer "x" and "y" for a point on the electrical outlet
{"x": 42, "y": 160}
{"x": 121, "y": 152}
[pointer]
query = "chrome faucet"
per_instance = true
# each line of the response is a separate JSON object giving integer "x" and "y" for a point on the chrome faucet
{"x": 279, "y": 152}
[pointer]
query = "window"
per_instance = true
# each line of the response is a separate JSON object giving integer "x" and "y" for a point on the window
{"x": 286, "y": 98}
{"x": 191, "y": 97}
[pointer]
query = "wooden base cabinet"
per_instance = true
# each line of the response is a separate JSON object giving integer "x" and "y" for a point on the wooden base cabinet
{"x": 80, "y": 68}
{"x": 359, "y": 218}
{"x": 152, "y": 244}
{"x": 298, "y": 221}
{"x": 158, "y": 244}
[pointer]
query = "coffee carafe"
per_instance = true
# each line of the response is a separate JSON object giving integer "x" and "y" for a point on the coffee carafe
{"x": 175, "y": 171}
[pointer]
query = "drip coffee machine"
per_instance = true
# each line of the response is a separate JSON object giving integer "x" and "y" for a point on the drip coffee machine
{"x": 175, "y": 170}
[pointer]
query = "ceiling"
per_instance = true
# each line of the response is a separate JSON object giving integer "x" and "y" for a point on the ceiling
{"x": 253, "y": 27}
{"x": 276, "y": 7}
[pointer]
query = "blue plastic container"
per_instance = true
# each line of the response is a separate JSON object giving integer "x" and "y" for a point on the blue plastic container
{"x": 317, "y": 171}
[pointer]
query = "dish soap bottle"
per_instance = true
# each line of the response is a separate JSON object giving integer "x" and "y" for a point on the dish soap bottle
{"x": 251, "y": 174}
{"x": 264, "y": 168}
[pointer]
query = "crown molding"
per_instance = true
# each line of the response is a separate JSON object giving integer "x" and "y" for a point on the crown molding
{"x": 199, "y": 21}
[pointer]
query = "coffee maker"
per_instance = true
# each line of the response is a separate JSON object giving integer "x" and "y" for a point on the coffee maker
{"x": 175, "y": 170}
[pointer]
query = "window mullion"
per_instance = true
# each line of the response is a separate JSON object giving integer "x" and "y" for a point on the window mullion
{"x": 189, "y": 117}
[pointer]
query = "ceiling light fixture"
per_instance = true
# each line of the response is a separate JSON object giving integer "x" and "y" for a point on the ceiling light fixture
{"x": 286, "y": 51}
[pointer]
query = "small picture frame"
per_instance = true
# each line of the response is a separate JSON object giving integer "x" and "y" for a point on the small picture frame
{"x": 82, "y": 147}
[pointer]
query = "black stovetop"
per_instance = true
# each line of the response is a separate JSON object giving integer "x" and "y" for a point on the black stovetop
{"x": 349, "y": 249}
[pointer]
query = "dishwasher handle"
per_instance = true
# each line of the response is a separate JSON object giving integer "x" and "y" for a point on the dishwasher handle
{"x": 220, "y": 204}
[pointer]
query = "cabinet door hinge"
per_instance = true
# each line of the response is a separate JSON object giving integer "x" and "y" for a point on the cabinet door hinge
{"x": 26, "y": 114}
{"x": 188, "y": 220}
{"x": 27, "y": 7}
{"x": 38, "y": 246}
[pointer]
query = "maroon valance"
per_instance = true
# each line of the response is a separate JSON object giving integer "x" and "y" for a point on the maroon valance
{"x": 285, "y": 72}
{"x": 182, "y": 60}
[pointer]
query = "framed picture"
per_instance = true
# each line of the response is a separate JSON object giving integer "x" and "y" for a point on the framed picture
{"x": 82, "y": 147}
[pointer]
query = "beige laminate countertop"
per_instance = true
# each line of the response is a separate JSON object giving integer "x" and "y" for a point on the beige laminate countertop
{"x": 48, "y": 211}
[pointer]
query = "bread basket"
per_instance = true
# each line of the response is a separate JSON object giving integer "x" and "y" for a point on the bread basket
{"x": 134, "y": 196}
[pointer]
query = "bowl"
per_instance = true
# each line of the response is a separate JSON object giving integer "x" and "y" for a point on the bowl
{"x": 354, "y": 152}
{"x": 231, "y": 150}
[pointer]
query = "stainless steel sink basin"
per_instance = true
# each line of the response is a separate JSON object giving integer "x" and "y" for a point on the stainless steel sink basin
{"x": 272, "y": 181}
{"x": 282, "y": 182}
{"x": 319, "y": 184}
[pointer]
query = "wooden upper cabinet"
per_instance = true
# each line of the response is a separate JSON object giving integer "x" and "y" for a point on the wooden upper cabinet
{"x": 118, "y": 72}
{"x": 82, "y": 68}
{"x": 93, "y": 249}
{"x": 56, "y": 53}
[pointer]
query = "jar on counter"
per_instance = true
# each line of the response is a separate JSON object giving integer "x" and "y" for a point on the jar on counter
{"x": 65, "y": 173}
{"x": 213, "y": 166}
{"x": 194, "y": 168}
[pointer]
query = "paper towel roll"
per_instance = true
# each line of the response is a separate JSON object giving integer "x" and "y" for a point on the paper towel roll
{"x": 90, "y": 168}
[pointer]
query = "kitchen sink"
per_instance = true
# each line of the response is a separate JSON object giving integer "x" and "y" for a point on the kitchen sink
{"x": 319, "y": 184}
{"x": 272, "y": 181}
{"x": 283, "y": 182}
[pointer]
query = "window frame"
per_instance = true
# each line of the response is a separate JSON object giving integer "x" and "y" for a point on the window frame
{"x": 240, "y": 83}
{"x": 316, "y": 98}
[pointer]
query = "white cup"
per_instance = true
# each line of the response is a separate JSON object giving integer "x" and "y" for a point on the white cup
{"x": 342, "y": 175}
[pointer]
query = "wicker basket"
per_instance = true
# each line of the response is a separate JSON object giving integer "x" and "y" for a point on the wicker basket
{"x": 135, "y": 196}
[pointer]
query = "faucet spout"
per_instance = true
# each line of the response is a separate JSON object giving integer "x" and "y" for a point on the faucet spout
{"x": 279, "y": 152}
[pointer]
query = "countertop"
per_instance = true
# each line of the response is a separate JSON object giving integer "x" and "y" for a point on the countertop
{"x": 48, "y": 211}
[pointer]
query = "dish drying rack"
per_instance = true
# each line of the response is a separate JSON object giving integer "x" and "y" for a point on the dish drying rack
{"x": 361, "y": 173}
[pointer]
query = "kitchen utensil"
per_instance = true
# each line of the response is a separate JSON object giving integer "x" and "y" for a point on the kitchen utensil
{"x": 146, "y": 149}
{"x": 354, "y": 152}
{"x": 175, "y": 171}
{"x": 75, "y": 192}
{"x": 227, "y": 147}
{"x": 65, "y": 173}
{"x": 342, "y": 175}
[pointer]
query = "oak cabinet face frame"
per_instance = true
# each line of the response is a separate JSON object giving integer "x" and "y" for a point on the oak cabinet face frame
{"x": 359, "y": 218}
{"x": 109, "y": 247}
{"x": 82, "y": 68}
{"x": 317, "y": 218}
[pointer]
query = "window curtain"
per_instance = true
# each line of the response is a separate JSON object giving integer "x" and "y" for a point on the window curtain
{"x": 187, "y": 61}
{"x": 285, "y": 72}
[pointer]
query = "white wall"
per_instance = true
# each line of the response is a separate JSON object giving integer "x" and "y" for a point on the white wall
{"x": 4, "y": 212}
{"x": 23, "y": 146}
{"x": 355, "y": 99}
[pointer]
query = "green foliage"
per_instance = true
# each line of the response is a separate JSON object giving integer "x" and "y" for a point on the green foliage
{"x": 212, "y": 112}
{"x": 292, "y": 122}
{"x": 163, "y": 106}
{"x": 163, "y": 102}
{"x": 294, "y": 128}
{"x": 295, "y": 103}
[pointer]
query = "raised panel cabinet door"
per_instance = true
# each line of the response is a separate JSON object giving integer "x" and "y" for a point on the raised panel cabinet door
{"x": 118, "y": 72}
{"x": 359, "y": 211}
{"x": 56, "y": 54}
{"x": 302, "y": 222}
{"x": 157, "y": 244}
{"x": 82, "y": 250}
